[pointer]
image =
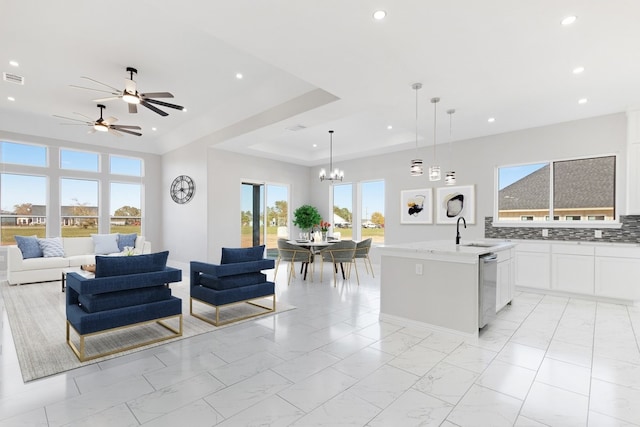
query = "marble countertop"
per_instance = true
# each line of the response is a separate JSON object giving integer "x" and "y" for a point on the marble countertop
{"x": 448, "y": 248}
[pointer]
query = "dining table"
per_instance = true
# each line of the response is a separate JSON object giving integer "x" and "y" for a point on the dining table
{"x": 314, "y": 246}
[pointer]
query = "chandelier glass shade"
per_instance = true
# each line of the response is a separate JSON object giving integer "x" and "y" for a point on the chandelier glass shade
{"x": 334, "y": 174}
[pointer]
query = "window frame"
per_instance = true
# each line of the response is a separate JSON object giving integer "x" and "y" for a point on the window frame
{"x": 583, "y": 223}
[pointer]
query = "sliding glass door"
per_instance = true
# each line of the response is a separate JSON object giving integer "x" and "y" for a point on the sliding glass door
{"x": 264, "y": 215}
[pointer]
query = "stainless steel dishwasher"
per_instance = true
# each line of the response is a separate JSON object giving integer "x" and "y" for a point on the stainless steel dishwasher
{"x": 487, "y": 283}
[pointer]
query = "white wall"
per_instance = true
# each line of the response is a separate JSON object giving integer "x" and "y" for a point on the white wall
{"x": 475, "y": 162}
{"x": 199, "y": 229}
{"x": 227, "y": 171}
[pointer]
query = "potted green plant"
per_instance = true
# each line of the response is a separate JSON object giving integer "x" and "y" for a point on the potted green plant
{"x": 305, "y": 217}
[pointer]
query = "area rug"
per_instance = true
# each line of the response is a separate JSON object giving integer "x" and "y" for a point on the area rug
{"x": 37, "y": 318}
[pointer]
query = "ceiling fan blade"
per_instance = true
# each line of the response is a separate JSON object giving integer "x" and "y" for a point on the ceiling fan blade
{"x": 130, "y": 132}
{"x": 97, "y": 90}
{"x": 165, "y": 104}
{"x": 115, "y": 132}
{"x": 118, "y": 127}
{"x": 111, "y": 98}
{"x": 70, "y": 118}
{"x": 102, "y": 84}
{"x": 80, "y": 114}
{"x": 110, "y": 120}
{"x": 152, "y": 108}
{"x": 157, "y": 95}
{"x": 133, "y": 108}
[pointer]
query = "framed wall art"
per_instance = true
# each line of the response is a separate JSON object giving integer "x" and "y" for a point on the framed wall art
{"x": 454, "y": 202}
{"x": 416, "y": 206}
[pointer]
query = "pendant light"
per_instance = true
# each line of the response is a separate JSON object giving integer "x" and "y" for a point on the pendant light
{"x": 416, "y": 163}
{"x": 450, "y": 176}
{"x": 434, "y": 170}
{"x": 334, "y": 174}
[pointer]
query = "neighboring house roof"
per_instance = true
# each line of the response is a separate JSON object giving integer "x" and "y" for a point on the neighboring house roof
{"x": 592, "y": 185}
{"x": 337, "y": 219}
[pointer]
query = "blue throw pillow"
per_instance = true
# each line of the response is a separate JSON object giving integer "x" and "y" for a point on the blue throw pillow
{"x": 233, "y": 255}
{"x": 51, "y": 247}
{"x": 29, "y": 246}
{"x": 105, "y": 244}
{"x": 127, "y": 240}
{"x": 107, "y": 266}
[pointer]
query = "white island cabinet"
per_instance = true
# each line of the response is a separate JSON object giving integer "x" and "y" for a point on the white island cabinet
{"x": 435, "y": 284}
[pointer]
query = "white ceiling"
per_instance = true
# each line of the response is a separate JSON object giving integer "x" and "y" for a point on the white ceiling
{"x": 321, "y": 64}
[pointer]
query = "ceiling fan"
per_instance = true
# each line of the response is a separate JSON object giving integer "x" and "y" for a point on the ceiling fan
{"x": 131, "y": 96}
{"x": 103, "y": 125}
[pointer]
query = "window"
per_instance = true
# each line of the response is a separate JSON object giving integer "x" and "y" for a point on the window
{"x": 79, "y": 160}
{"x": 78, "y": 207}
{"x": 373, "y": 211}
{"x": 567, "y": 190}
{"x": 23, "y": 154}
{"x": 126, "y": 208}
{"x": 24, "y": 208}
{"x": 343, "y": 210}
{"x": 125, "y": 166}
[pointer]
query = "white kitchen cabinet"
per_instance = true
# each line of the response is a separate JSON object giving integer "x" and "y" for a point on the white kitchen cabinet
{"x": 616, "y": 272}
{"x": 505, "y": 279}
{"x": 572, "y": 268}
{"x": 533, "y": 265}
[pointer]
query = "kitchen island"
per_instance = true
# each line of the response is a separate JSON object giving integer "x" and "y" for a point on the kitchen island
{"x": 435, "y": 283}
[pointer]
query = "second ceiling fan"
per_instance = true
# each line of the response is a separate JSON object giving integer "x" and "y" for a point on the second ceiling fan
{"x": 131, "y": 95}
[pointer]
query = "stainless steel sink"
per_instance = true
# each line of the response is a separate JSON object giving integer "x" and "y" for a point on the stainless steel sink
{"x": 478, "y": 245}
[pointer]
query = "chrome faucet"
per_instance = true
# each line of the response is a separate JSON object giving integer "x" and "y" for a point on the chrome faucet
{"x": 464, "y": 221}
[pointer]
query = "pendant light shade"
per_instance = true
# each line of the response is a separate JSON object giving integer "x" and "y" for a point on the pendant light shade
{"x": 434, "y": 170}
{"x": 450, "y": 176}
{"x": 416, "y": 168}
{"x": 334, "y": 174}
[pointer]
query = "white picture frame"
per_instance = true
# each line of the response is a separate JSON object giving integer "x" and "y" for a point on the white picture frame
{"x": 416, "y": 206}
{"x": 454, "y": 202}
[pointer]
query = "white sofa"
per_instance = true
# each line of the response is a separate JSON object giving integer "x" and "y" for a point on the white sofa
{"x": 77, "y": 251}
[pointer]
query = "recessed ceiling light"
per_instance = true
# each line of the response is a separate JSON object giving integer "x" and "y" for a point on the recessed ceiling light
{"x": 239, "y": 76}
{"x": 379, "y": 15}
{"x": 184, "y": 109}
{"x": 154, "y": 129}
{"x": 389, "y": 127}
{"x": 578, "y": 70}
{"x": 14, "y": 63}
{"x": 569, "y": 20}
{"x": 315, "y": 145}
{"x": 582, "y": 101}
{"x": 491, "y": 119}
{"x": 11, "y": 98}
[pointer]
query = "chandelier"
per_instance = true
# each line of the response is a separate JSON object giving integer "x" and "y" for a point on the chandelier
{"x": 334, "y": 174}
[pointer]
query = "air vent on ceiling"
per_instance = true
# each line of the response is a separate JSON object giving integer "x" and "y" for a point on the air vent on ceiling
{"x": 13, "y": 78}
{"x": 296, "y": 128}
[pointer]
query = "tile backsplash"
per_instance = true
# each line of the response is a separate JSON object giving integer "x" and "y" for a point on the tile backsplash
{"x": 628, "y": 233}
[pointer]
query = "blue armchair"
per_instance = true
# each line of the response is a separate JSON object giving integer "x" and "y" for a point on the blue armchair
{"x": 238, "y": 279}
{"x": 126, "y": 292}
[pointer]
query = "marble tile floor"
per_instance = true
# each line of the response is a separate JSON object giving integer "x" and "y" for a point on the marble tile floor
{"x": 545, "y": 361}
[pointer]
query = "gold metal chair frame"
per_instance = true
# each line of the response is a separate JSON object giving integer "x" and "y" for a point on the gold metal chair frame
{"x": 80, "y": 352}
{"x": 217, "y": 322}
{"x": 335, "y": 263}
{"x": 305, "y": 255}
